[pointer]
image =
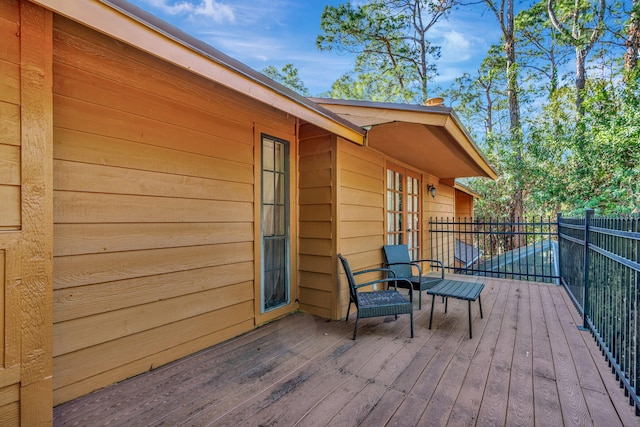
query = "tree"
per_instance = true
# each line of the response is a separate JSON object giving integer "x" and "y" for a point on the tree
{"x": 625, "y": 28}
{"x": 586, "y": 26}
{"x": 368, "y": 86}
{"x": 633, "y": 38}
{"x": 480, "y": 98}
{"x": 389, "y": 38}
{"x": 539, "y": 48}
{"x": 287, "y": 76}
{"x": 504, "y": 13}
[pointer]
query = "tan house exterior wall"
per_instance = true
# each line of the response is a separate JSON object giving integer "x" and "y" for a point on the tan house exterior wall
{"x": 154, "y": 211}
{"x": 464, "y": 205}
{"x": 316, "y": 223}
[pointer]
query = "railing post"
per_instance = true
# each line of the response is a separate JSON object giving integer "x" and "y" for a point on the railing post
{"x": 559, "y": 257}
{"x": 588, "y": 214}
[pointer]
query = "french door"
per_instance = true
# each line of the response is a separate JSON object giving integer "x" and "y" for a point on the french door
{"x": 276, "y": 282}
{"x": 404, "y": 208}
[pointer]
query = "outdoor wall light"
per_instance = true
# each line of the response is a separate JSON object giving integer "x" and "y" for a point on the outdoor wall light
{"x": 432, "y": 190}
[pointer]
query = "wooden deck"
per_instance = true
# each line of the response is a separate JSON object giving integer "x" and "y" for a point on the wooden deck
{"x": 527, "y": 364}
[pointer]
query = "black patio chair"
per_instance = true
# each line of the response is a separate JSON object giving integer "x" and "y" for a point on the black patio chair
{"x": 397, "y": 259}
{"x": 376, "y": 303}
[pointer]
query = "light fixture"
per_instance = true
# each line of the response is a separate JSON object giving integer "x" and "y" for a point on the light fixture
{"x": 432, "y": 190}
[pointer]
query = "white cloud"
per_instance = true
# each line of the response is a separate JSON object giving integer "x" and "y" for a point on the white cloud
{"x": 202, "y": 8}
{"x": 455, "y": 46}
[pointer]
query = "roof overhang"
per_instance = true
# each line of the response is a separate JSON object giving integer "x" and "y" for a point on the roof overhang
{"x": 131, "y": 25}
{"x": 430, "y": 138}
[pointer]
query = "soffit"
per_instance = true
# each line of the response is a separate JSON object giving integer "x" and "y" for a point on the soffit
{"x": 429, "y": 138}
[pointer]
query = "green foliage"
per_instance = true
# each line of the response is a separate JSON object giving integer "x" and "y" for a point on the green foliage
{"x": 390, "y": 43}
{"x": 566, "y": 155}
{"x": 287, "y": 76}
{"x": 369, "y": 86}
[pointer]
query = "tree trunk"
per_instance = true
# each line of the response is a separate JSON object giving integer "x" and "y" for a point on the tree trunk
{"x": 489, "y": 118}
{"x": 517, "y": 204}
{"x": 633, "y": 39}
{"x": 581, "y": 55}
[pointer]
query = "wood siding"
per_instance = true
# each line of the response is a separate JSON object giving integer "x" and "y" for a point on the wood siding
{"x": 10, "y": 180}
{"x": 464, "y": 209}
{"x": 25, "y": 214}
{"x": 361, "y": 210}
{"x": 154, "y": 211}
{"x": 10, "y": 212}
{"x": 464, "y": 205}
{"x": 443, "y": 206}
{"x": 317, "y": 217}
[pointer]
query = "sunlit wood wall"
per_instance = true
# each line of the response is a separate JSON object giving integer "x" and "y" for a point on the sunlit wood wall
{"x": 25, "y": 214}
{"x": 154, "y": 209}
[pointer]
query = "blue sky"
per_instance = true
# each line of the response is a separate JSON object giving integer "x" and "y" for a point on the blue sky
{"x": 260, "y": 33}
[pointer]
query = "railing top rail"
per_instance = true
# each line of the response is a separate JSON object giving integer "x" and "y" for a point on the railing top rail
{"x": 634, "y": 235}
{"x": 444, "y": 220}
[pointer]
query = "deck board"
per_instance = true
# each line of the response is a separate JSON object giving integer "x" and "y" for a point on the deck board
{"x": 527, "y": 364}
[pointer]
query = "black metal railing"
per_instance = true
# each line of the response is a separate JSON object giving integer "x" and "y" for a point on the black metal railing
{"x": 600, "y": 268}
{"x": 519, "y": 249}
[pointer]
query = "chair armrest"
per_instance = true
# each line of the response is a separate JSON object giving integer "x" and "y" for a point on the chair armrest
{"x": 371, "y": 270}
{"x": 412, "y": 263}
{"x": 434, "y": 261}
{"x": 394, "y": 280}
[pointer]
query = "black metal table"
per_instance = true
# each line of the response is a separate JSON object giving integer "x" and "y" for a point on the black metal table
{"x": 468, "y": 291}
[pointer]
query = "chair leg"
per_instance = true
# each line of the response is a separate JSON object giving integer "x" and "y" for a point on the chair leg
{"x": 420, "y": 300}
{"x": 355, "y": 328}
{"x": 480, "y": 302}
{"x": 411, "y": 314}
{"x": 470, "y": 334}
{"x": 348, "y": 310}
{"x": 446, "y": 304}
{"x": 433, "y": 299}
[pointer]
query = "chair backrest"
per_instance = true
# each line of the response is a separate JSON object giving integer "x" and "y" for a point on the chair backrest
{"x": 398, "y": 253}
{"x": 353, "y": 294}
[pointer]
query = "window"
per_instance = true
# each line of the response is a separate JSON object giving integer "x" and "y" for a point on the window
{"x": 275, "y": 224}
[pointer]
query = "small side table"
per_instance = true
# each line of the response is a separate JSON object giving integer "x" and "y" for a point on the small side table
{"x": 469, "y": 291}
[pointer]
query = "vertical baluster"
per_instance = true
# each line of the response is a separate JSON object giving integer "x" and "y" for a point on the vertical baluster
{"x": 635, "y": 378}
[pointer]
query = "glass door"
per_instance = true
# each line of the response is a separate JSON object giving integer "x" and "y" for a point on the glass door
{"x": 275, "y": 284}
{"x": 403, "y": 208}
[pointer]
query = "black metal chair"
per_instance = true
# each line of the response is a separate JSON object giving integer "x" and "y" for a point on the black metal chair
{"x": 378, "y": 302}
{"x": 397, "y": 259}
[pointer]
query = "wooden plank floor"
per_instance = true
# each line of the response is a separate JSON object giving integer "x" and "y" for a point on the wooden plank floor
{"x": 527, "y": 364}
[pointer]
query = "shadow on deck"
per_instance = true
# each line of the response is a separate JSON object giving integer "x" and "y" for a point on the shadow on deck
{"x": 527, "y": 364}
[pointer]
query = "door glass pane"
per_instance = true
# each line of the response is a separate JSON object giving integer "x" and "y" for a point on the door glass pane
{"x": 268, "y": 217}
{"x": 268, "y": 154}
{"x": 275, "y": 226}
{"x": 268, "y": 187}
{"x": 279, "y": 158}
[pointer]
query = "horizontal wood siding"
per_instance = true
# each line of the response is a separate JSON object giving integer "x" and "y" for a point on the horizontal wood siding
{"x": 153, "y": 211}
{"x": 464, "y": 209}
{"x": 316, "y": 221}
{"x": 443, "y": 206}
{"x": 464, "y": 205}
{"x": 10, "y": 180}
{"x": 361, "y": 207}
